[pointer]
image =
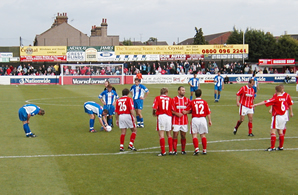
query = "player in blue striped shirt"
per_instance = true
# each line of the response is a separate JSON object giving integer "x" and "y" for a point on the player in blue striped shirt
{"x": 194, "y": 84}
{"x": 108, "y": 99}
{"x": 256, "y": 85}
{"x": 139, "y": 92}
{"x": 25, "y": 114}
{"x": 218, "y": 86}
{"x": 93, "y": 108}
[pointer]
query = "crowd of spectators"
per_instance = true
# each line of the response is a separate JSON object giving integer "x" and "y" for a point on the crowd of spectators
{"x": 146, "y": 68}
{"x": 28, "y": 69}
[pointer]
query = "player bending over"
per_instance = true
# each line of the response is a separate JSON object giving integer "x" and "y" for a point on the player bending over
{"x": 93, "y": 108}
{"x": 25, "y": 114}
{"x": 199, "y": 110}
{"x": 125, "y": 118}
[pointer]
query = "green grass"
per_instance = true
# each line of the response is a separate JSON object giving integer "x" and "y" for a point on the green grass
{"x": 66, "y": 159}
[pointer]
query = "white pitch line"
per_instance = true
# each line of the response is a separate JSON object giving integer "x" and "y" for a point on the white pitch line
{"x": 146, "y": 152}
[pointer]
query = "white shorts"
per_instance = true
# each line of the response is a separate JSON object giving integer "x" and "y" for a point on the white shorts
{"x": 177, "y": 128}
{"x": 279, "y": 122}
{"x": 164, "y": 122}
{"x": 126, "y": 121}
{"x": 199, "y": 125}
{"x": 243, "y": 110}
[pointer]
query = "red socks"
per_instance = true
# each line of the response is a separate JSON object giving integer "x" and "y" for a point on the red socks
{"x": 273, "y": 140}
{"x": 204, "y": 143}
{"x": 122, "y": 138}
{"x": 170, "y": 142}
{"x": 162, "y": 145}
{"x": 132, "y": 138}
{"x": 195, "y": 142}
{"x": 238, "y": 124}
{"x": 249, "y": 128}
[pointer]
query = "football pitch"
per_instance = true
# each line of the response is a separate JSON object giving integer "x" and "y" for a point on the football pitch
{"x": 65, "y": 158}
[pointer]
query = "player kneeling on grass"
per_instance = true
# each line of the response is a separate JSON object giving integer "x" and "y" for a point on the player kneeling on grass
{"x": 279, "y": 102}
{"x": 162, "y": 108}
{"x": 125, "y": 118}
{"x": 25, "y": 113}
{"x": 93, "y": 108}
{"x": 108, "y": 99}
{"x": 199, "y": 110}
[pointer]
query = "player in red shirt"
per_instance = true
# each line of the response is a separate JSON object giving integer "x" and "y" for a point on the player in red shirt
{"x": 244, "y": 99}
{"x": 162, "y": 108}
{"x": 125, "y": 118}
{"x": 287, "y": 106}
{"x": 279, "y": 116}
{"x": 179, "y": 119}
{"x": 200, "y": 110}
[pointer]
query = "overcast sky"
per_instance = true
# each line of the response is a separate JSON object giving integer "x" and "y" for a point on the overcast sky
{"x": 138, "y": 20}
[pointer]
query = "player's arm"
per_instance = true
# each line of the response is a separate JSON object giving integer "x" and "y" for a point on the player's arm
{"x": 154, "y": 112}
{"x": 237, "y": 100}
{"x": 291, "y": 111}
{"x": 209, "y": 119}
{"x": 223, "y": 84}
{"x": 190, "y": 84}
{"x": 259, "y": 104}
{"x": 100, "y": 121}
{"x": 146, "y": 94}
{"x": 117, "y": 119}
{"x": 177, "y": 113}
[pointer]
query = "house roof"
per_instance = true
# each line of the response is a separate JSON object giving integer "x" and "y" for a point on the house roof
{"x": 208, "y": 38}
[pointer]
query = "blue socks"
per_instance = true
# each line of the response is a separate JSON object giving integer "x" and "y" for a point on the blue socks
{"x": 91, "y": 124}
{"x": 26, "y": 129}
{"x": 190, "y": 97}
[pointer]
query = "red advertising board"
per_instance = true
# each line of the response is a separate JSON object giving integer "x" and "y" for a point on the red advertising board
{"x": 182, "y": 57}
{"x": 276, "y": 62}
{"x": 54, "y": 58}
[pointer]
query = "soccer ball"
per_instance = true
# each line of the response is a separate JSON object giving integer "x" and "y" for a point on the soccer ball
{"x": 109, "y": 128}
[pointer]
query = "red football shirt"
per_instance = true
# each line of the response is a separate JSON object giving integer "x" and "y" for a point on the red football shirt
{"x": 199, "y": 108}
{"x": 280, "y": 103}
{"x": 180, "y": 104}
{"x": 163, "y": 105}
{"x": 124, "y": 105}
{"x": 246, "y": 96}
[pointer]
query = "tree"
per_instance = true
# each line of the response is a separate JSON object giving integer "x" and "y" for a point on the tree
{"x": 199, "y": 39}
{"x": 127, "y": 42}
{"x": 261, "y": 45}
{"x": 151, "y": 41}
{"x": 287, "y": 47}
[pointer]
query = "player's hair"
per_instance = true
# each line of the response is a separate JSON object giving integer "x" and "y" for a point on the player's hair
{"x": 164, "y": 90}
{"x": 180, "y": 87}
{"x": 278, "y": 88}
{"x": 109, "y": 86}
{"x": 137, "y": 79}
{"x": 125, "y": 92}
{"x": 195, "y": 72}
{"x": 107, "y": 81}
{"x": 251, "y": 81}
{"x": 42, "y": 112}
{"x": 282, "y": 86}
{"x": 105, "y": 111}
{"x": 198, "y": 92}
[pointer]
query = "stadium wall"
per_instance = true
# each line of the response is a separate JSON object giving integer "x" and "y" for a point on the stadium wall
{"x": 129, "y": 79}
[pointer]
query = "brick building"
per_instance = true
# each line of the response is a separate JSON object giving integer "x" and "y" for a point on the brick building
{"x": 63, "y": 34}
{"x": 214, "y": 39}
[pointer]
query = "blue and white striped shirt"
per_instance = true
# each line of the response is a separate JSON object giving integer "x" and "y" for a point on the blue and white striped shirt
{"x": 138, "y": 91}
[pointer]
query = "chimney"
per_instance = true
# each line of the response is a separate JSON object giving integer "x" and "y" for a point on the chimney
{"x": 60, "y": 18}
{"x": 96, "y": 31}
{"x": 104, "y": 27}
